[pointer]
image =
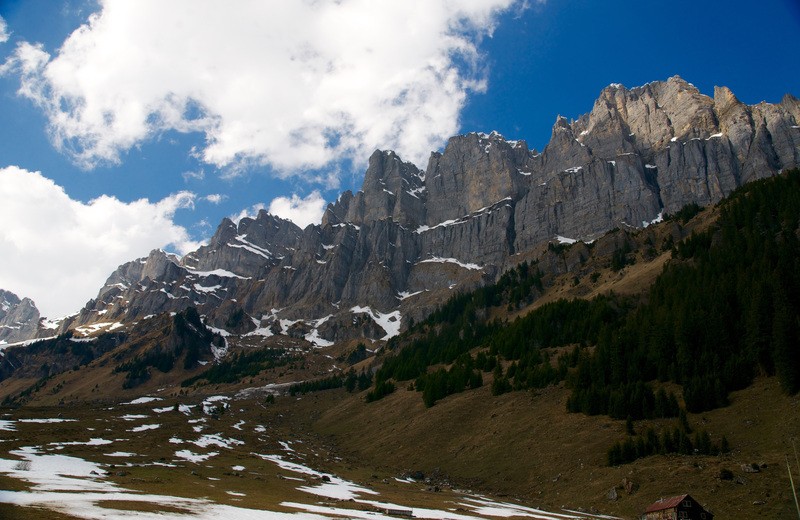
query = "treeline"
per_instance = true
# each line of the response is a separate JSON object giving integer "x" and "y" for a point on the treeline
{"x": 242, "y": 364}
{"x": 317, "y": 385}
{"x": 557, "y": 324}
{"x": 137, "y": 370}
{"x": 675, "y": 440}
{"x": 636, "y": 400}
{"x": 188, "y": 338}
{"x": 457, "y": 327}
{"x": 48, "y": 357}
{"x": 351, "y": 382}
{"x": 727, "y": 307}
{"x": 461, "y": 375}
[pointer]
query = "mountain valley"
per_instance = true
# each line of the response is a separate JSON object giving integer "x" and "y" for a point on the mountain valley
{"x": 470, "y": 332}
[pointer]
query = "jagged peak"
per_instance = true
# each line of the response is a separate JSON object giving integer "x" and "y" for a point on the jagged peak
{"x": 792, "y": 104}
{"x": 158, "y": 256}
{"x": 227, "y": 222}
{"x": 266, "y": 215}
{"x": 494, "y": 135}
{"x": 562, "y": 123}
{"x": 481, "y": 138}
{"x": 561, "y": 126}
{"x": 724, "y": 99}
{"x": 386, "y": 166}
{"x": 159, "y": 253}
{"x": 677, "y": 80}
{"x": 8, "y": 297}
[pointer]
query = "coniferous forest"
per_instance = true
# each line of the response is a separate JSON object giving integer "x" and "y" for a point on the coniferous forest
{"x": 725, "y": 308}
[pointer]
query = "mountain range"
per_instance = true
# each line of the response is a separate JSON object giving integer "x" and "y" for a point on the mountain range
{"x": 455, "y": 315}
{"x": 389, "y": 254}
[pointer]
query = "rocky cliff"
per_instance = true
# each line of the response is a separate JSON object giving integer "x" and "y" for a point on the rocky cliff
{"x": 19, "y": 318}
{"x": 409, "y": 238}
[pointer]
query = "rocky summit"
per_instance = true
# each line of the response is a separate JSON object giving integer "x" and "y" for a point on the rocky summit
{"x": 402, "y": 245}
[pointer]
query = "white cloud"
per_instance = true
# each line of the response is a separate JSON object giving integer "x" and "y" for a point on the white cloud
{"x": 300, "y": 211}
{"x": 59, "y": 251}
{"x": 293, "y": 85}
{"x": 215, "y": 198}
{"x": 3, "y": 30}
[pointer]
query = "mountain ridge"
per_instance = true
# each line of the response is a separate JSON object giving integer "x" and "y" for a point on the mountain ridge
{"x": 398, "y": 247}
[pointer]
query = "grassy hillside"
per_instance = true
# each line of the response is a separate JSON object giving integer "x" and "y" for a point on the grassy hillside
{"x": 523, "y": 445}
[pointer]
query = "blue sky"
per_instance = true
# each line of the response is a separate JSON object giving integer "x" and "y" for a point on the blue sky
{"x": 147, "y": 127}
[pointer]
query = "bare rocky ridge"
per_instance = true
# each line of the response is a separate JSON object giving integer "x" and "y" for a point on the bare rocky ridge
{"x": 402, "y": 244}
{"x": 19, "y": 318}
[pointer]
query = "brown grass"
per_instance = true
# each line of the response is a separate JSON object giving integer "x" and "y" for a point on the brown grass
{"x": 12, "y": 512}
{"x": 525, "y": 445}
{"x": 521, "y": 445}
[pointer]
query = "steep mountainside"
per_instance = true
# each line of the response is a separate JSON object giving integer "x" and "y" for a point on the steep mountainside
{"x": 399, "y": 247}
{"x": 666, "y": 360}
{"x": 151, "y": 351}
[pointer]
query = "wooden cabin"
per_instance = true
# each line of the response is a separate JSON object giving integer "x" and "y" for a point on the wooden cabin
{"x": 676, "y": 508}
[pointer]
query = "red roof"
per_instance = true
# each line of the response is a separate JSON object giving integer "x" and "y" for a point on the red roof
{"x": 665, "y": 503}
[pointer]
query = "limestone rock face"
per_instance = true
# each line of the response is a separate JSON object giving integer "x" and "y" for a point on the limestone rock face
{"x": 246, "y": 248}
{"x": 409, "y": 238}
{"x": 474, "y": 172}
{"x": 19, "y": 318}
{"x": 392, "y": 188}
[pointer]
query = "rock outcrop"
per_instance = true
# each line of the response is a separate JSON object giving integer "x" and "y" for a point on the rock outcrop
{"x": 409, "y": 238}
{"x": 19, "y": 318}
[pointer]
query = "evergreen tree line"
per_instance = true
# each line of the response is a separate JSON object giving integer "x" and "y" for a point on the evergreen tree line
{"x": 675, "y": 440}
{"x": 189, "y": 335}
{"x": 350, "y": 381}
{"x": 636, "y": 400}
{"x": 243, "y": 364}
{"x": 448, "y": 342}
{"x": 461, "y": 375}
{"x": 63, "y": 353}
{"x": 360, "y": 382}
{"x": 456, "y": 329}
{"x": 726, "y": 308}
{"x": 532, "y": 370}
{"x": 381, "y": 390}
{"x": 316, "y": 385}
{"x": 137, "y": 370}
{"x": 685, "y": 214}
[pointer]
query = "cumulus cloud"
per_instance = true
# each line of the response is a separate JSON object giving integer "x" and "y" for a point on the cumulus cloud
{"x": 301, "y": 211}
{"x": 292, "y": 85}
{"x": 59, "y": 251}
